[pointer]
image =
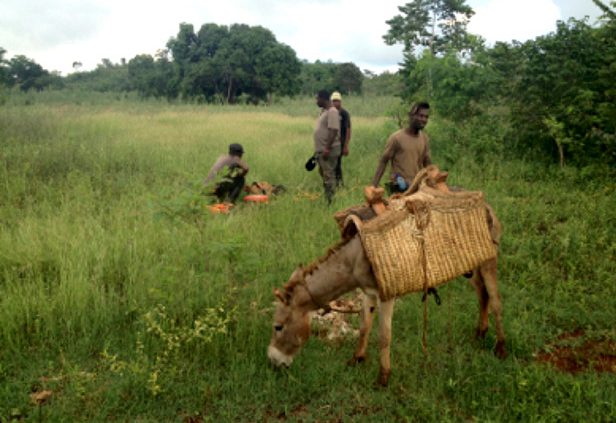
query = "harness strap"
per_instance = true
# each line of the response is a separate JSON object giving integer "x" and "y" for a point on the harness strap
{"x": 422, "y": 218}
{"x": 315, "y": 302}
{"x": 432, "y": 291}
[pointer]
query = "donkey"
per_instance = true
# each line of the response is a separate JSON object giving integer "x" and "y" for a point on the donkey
{"x": 344, "y": 268}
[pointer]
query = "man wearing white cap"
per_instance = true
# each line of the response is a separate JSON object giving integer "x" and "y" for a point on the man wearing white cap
{"x": 345, "y": 133}
{"x": 327, "y": 142}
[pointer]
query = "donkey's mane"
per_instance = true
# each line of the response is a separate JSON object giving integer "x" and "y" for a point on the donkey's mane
{"x": 330, "y": 252}
{"x": 307, "y": 270}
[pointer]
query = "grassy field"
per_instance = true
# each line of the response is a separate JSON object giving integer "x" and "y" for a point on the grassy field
{"x": 122, "y": 296}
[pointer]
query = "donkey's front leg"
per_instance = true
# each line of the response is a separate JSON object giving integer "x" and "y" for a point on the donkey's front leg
{"x": 365, "y": 326}
{"x": 386, "y": 311}
{"x": 488, "y": 273}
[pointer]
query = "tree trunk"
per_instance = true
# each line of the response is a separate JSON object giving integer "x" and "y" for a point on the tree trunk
{"x": 561, "y": 153}
{"x": 229, "y": 90}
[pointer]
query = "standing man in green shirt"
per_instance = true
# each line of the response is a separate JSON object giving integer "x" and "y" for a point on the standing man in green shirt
{"x": 345, "y": 133}
{"x": 408, "y": 151}
{"x": 327, "y": 143}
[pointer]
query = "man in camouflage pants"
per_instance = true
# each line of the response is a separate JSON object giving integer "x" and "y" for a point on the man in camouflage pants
{"x": 327, "y": 145}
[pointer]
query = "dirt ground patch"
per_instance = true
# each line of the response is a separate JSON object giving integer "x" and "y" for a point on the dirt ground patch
{"x": 575, "y": 352}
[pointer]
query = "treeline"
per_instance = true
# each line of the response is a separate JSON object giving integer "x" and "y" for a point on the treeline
{"x": 552, "y": 98}
{"x": 226, "y": 64}
{"x": 25, "y": 73}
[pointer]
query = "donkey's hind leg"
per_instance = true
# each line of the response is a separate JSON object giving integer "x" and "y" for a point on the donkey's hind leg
{"x": 365, "y": 326}
{"x": 488, "y": 274}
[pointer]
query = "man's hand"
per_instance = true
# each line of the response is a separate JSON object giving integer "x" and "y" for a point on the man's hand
{"x": 345, "y": 151}
{"x": 325, "y": 153}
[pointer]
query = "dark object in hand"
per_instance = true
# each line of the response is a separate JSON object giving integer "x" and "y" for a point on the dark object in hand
{"x": 311, "y": 163}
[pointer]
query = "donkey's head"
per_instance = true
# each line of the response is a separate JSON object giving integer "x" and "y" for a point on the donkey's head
{"x": 291, "y": 327}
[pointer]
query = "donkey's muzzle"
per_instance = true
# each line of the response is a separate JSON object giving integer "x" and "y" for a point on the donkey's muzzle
{"x": 277, "y": 358}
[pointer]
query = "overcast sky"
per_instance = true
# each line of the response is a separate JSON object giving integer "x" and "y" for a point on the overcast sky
{"x": 56, "y": 33}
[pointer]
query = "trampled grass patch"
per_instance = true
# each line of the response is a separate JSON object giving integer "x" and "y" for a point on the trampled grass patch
{"x": 123, "y": 296}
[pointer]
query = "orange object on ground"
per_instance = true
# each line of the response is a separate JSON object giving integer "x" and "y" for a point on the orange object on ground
{"x": 256, "y": 198}
{"x": 220, "y": 208}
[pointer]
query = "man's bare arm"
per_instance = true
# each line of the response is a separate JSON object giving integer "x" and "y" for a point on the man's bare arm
{"x": 244, "y": 166}
{"x": 345, "y": 150}
{"x": 381, "y": 168}
{"x": 427, "y": 159}
{"x": 388, "y": 154}
{"x": 214, "y": 170}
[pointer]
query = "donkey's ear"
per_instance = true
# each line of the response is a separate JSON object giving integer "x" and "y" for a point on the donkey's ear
{"x": 283, "y": 299}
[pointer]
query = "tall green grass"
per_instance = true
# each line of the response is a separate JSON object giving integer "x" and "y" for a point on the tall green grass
{"x": 367, "y": 106}
{"x": 125, "y": 297}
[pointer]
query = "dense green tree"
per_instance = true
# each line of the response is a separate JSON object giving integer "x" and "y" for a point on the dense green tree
{"x": 317, "y": 76}
{"x": 508, "y": 62}
{"x": 141, "y": 74}
{"x": 107, "y": 77}
{"x": 4, "y": 68}
{"x": 152, "y": 78}
{"x": 277, "y": 70}
{"x": 184, "y": 47}
{"x": 435, "y": 26}
{"x": 167, "y": 79}
{"x": 605, "y": 129}
{"x": 27, "y": 74}
{"x": 608, "y": 13}
{"x": 348, "y": 78}
{"x": 439, "y": 25}
{"x": 344, "y": 77}
{"x": 386, "y": 83}
{"x": 459, "y": 88}
{"x": 562, "y": 101}
{"x": 233, "y": 62}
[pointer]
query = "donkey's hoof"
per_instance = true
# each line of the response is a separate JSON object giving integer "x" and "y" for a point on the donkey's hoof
{"x": 500, "y": 350}
{"x": 383, "y": 379}
{"x": 356, "y": 360}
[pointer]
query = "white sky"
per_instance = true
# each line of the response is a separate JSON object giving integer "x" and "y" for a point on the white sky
{"x": 56, "y": 33}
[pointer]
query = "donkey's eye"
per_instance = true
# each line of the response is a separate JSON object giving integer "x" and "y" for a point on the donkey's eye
{"x": 278, "y": 328}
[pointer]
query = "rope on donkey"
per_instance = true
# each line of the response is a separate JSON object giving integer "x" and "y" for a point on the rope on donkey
{"x": 422, "y": 219}
{"x": 329, "y": 308}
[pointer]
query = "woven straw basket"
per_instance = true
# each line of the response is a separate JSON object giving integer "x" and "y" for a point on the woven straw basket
{"x": 432, "y": 240}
